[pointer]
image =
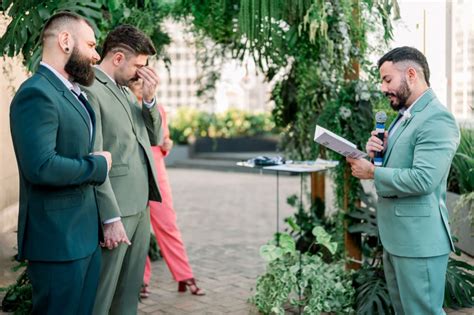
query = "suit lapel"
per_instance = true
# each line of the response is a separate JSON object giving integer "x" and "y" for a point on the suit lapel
{"x": 417, "y": 107}
{"x": 59, "y": 85}
{"x": 104, "y": 79}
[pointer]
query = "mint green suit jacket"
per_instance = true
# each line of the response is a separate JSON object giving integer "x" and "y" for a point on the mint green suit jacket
{"x": 58, "y": 217}
{"x": 126, "y": 129}
{"x": 411, "y": 185}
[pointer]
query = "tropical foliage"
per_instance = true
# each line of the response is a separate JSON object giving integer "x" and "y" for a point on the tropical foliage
{"x": 18, "y": 296}
{"x": 28, "y": 17}
{"x": 461, "y": 177}
{"x": 295, "y": 279}
{"x": 459, "y": 291}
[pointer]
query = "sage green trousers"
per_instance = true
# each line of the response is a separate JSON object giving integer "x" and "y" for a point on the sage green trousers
{"x": 121, "y": 273}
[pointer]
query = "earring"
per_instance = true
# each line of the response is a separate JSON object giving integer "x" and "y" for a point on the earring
{"x": 66, "y": 49}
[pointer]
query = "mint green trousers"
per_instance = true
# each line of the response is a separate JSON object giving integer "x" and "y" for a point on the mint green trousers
{"x": 416, "y": 285}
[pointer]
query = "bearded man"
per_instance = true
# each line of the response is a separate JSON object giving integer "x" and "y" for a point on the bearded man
{"x": 53, "y": 131}
{"x": 411, "y": 184}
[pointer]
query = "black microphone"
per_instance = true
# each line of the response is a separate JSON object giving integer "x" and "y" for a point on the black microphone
{"x": 380, "y": 119}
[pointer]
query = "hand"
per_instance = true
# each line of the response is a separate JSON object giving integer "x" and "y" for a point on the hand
{"x": 167, "y": 144}
{"x": 114, "y": 234}
{"x": 150, "y": 83}
{"x": 361, "y": 168}
{"x": 107, "y": 156}
{"x": 374, "y": 144}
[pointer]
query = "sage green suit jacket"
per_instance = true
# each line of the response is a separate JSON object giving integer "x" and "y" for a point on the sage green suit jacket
{"x": 58, "y": 217}
{"x": 126, "y": 129}
{"x": 411, "y": 186}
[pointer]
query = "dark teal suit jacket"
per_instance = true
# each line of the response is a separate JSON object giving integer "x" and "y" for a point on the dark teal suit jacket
{"x": 58, "y": 215}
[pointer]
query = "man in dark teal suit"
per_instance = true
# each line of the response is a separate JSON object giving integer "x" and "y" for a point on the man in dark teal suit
{"x": 411, "y": 184}
{"x": 53, "y": 130}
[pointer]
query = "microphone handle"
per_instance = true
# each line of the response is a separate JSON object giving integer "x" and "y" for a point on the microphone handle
{"x": 381, "y": 135}
{"x": 378, "y": 157}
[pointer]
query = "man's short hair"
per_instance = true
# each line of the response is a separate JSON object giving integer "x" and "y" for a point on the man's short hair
{"x": 59, "y": 21}
{"x": 410, "y": 55}
{"x": 128, "y": 39}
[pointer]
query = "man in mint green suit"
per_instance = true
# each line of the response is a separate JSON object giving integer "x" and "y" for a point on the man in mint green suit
{"x": 53, "y": 131}
{"x": 126, "y": 129}
{"x": 411, "y": 184}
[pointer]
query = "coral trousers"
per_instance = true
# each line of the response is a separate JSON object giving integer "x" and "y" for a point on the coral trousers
{"x": 163, "y": 222}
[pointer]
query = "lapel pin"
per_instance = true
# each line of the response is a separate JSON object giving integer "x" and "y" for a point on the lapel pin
{"x": 406, "y": 117}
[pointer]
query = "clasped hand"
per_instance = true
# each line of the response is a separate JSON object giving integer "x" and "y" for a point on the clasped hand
{"x": 114, "y": 234}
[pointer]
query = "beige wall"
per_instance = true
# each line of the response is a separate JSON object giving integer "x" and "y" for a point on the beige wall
{"x": 12, "y": 75}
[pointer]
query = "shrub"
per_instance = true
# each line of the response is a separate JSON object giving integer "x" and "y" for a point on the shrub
{"x": 190, "y": 123}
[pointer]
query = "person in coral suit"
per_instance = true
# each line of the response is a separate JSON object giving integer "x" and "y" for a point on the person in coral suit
{"x": 163, "y": 218}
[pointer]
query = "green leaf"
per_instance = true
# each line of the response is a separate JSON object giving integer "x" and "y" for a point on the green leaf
{"x": 6, "y": 4}
{"x": 372, "y": 293}
{"x": 287, "y": 243}
{"x": 113, "y": 4}
{"x": 271, "y": 252}
{"x": 295, "y": 227}
{"x": 459, "y": 291}
{"x": 323, "y": 238}
{"x": 44, "y": 13}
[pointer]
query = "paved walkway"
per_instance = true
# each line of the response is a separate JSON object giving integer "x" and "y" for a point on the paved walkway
{"x": 224, "y": 219}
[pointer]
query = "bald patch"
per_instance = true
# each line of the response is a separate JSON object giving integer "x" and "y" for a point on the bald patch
{"x": 58, "y": 26}
{"x": 62, "y": 22}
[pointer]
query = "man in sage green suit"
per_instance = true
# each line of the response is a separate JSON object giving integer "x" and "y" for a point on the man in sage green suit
{"x": 53, "y": 130}
{"x": 126, "y": 129}
{"x": 411, "y": 185}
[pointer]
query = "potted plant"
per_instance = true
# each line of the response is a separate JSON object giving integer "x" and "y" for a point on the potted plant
{"x": 460, "y": 198}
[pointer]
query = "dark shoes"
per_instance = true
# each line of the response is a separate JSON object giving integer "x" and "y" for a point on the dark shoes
{"x": 145, "y": 291}
{"x": 191, "y": 285}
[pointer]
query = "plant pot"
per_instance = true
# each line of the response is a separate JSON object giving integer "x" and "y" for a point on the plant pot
{"x": 178, "y": 153}
{"x": 460, "y": 225}
{"x": 237, "y": 144}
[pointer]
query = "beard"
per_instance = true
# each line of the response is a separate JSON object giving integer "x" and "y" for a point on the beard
{"x": 402, "y": 95}
{"x": 80, "y": 68}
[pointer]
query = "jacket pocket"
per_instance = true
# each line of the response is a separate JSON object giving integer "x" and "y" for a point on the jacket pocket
{"x": 118, "y": 170}
{"x": 413, "y": 210}
{"x": 62, "y": 202}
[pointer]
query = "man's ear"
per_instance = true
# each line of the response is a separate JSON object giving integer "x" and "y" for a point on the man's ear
{"x": 65, "y": 41}
{"x": 118, "y": 58}
{"x": 411, "y": 74}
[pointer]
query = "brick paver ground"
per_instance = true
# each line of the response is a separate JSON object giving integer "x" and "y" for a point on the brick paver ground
{"x": 224, "y": 219}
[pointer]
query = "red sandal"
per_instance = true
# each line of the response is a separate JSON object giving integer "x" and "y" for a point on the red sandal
{"x": 145, "y": 291}
{"x": 191, "y": 284}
